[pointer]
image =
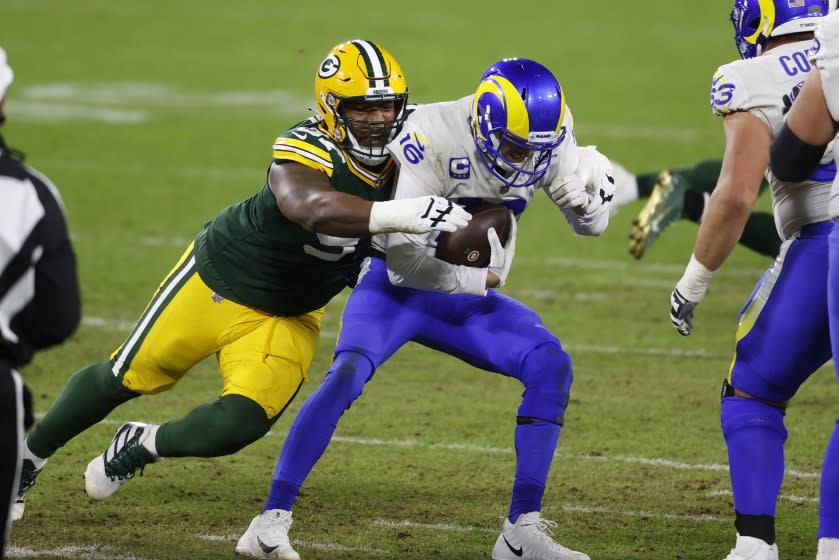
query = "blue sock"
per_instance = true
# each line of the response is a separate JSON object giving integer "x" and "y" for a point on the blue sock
{"x": 755, "y": 435}
{"x": 535, "y": 447}
{"x": 314, "y": 425}
{"x": 829, "y": 494}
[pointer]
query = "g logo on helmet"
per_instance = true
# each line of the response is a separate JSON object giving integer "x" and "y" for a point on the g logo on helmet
{"x": 329, "y": 66}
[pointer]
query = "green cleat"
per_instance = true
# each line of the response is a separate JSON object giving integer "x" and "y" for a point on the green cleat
{"x": 662, "y": 209}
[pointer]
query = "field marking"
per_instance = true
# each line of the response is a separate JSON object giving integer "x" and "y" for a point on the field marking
{"x": 787, "y": 497}
{"x": 120, "y": 325}
{"x": 100, "y": 102}
{"x": 90, "y": 552}
{"x": 648, "y": 461}
{"x": 408, "y": 524}
{"x": 702, "y": 518}
{"x": 333, "y": 547}
{"x": 138, "y": 102}
{"x": 635, "y": 267}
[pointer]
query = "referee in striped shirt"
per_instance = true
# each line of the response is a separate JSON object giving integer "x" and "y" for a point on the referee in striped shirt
{"x": 39, "y": 294}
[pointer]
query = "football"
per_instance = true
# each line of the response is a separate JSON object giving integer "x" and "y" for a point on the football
{"x": 469, "y": 246}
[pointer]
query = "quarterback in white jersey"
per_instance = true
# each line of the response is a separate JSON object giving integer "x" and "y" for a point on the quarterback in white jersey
{"x": 437, "y": 154}
{"x": 513, "y": 137}
{"x": 783, "y": 334}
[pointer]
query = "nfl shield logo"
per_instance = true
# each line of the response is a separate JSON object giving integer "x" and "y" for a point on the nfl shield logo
{"x": 796, "y": 3}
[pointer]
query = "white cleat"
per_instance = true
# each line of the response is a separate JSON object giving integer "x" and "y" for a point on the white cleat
{"x": 751, "y": 548}
{"x": 106, "y": 473}
{"x": 530, "y": 539}
{"x": 828, "y": 549}
{"x": 267, "y": 537}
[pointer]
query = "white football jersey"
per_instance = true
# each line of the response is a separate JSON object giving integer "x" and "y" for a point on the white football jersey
{"x": 825, "y": 54}
{"x": 437, "y": 155}
{"x": 766, "y": 86}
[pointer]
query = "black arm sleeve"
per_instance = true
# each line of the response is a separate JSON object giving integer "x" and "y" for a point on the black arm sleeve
{"x": 791, "y": 159}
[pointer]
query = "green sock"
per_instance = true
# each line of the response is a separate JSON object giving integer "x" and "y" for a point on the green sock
{"x": 89, "y": 396}
{"x": 211, "y": 430}
{"x": 703, "y": 176}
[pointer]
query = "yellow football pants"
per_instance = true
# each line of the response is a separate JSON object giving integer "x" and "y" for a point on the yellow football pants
{"x": 262, "y": 357}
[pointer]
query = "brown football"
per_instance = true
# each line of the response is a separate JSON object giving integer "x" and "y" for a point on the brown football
{"x": 469, "y": 246}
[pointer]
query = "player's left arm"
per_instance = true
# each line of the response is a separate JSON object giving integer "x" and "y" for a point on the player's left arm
{"x": 746, "y": 158}
{"x": 585, "y": 195}
{"x": 799, "y": 147}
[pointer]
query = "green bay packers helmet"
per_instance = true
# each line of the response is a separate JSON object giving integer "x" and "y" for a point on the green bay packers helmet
{"x": 360, "y": 72}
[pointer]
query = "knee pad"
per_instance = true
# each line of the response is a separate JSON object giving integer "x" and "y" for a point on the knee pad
{"x": 345, "y": 380}
{"x": 739, "y": 413}
{"x": 547, "y": 377}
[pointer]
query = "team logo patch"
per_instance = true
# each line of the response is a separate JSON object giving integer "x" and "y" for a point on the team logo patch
{"x": 217, "y": 298}
{"x": 329, "y": 66}
{"x": 460, "y": 168}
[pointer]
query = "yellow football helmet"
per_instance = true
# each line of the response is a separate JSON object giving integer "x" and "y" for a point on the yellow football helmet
{"x": 360, "y": 71}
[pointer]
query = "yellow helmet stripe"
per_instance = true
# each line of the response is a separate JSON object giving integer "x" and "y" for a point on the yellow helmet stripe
{"x": 518, "y": 121}
{"x": 767, "y": 21}
{"x": 562, "y": 108}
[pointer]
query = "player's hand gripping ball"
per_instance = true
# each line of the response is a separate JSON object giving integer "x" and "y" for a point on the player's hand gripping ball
{"x": 469, "y": 246}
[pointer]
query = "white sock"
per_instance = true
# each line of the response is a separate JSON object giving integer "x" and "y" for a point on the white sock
{"x": 39, "y": 462}
{"x": 150, "y": 440}
{"x": 626, "y": 187}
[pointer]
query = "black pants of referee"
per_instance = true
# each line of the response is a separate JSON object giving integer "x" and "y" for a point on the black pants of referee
{"x": 13, "y": 410}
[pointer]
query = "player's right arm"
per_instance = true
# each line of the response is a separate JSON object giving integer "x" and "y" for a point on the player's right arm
{"x": 300, "y": 176}
{"x": 748, "y": 139}
{"x": 811, "y": 122}
{"x": 410, "y": 258}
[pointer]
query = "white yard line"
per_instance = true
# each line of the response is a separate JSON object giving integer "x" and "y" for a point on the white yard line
{"x": 704, "y": 518}
{"x": 787, "y": 497}
{"x": 648, "y": 461}
{"x": 91, "y": 552}
{"x": 305, "y": 544}
{"x": 120, "y": 325}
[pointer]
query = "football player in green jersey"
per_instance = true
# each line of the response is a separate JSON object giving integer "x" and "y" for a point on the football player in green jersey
{"x": 253, "y": 286}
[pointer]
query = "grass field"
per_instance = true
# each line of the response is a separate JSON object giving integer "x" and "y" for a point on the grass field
{"x": 152, "y": 116}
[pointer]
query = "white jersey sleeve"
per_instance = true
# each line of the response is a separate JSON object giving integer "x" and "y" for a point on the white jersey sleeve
{"x": 765, "y": 86}
{"x": 566, "y": 161}
{"x": 420, "y": 150}
{"x": 825, "y": 53}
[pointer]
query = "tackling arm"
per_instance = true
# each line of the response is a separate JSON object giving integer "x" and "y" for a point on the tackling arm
{"x": 306, "y": 197}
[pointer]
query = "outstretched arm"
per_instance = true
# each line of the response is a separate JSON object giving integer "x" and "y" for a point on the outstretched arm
{"x": 306, "y": 196}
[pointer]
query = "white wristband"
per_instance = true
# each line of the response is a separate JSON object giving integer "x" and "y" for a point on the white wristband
{"x": 695, "y": 280}
{"x": 390, "y": 216}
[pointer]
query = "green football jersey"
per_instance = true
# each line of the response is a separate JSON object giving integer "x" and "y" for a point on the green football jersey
{"x": 251, "y": 254}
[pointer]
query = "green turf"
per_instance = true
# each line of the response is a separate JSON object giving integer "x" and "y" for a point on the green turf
{"x": 151, "y": 116}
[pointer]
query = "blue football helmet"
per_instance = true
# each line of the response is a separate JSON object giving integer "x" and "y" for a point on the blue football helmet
{"x": 520, "y": 103}
{"x": 755, "y": 21}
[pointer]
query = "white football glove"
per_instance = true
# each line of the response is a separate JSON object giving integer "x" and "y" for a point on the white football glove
{"x": 569, "y": 192}
{"x": 595, "y": 170}
{"x": 417, "y": 215}
{"x": 501, "y": 256}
